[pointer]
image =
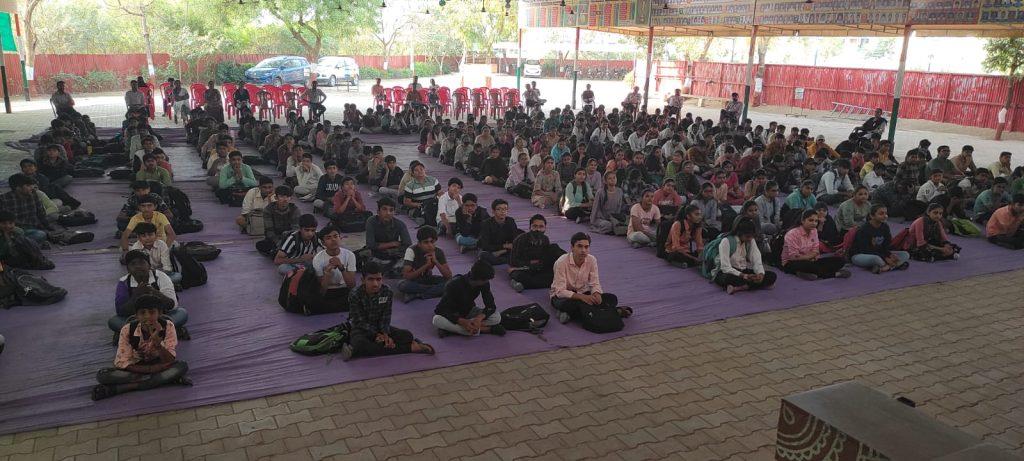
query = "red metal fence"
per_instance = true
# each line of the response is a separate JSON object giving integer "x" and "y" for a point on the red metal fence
{"x": 961, "y": 99}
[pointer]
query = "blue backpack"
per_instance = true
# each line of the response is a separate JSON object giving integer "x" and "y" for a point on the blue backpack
{"x": 710, "y": 255}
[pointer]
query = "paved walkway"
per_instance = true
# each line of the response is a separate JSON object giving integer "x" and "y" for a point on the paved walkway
{"x": 705, "y": 392}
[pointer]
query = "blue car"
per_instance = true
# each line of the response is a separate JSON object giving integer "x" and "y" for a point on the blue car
{"x": 280, "y": 70}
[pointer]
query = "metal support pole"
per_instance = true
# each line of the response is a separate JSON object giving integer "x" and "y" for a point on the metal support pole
{"x": 898, "y": 91}
{"x": 575, "y": 68}
{"x": 650, "y": 57}
{"x": 749, "y": 74}
{"x": 519, "y": 62}
{"x": 3, "y": 78}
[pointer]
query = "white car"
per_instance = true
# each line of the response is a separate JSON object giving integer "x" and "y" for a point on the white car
{"x": 335, "y": 70}
{"x": 531, "y": 68}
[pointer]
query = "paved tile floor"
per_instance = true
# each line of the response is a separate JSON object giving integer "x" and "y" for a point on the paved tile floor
{"x": 705, "y": 392}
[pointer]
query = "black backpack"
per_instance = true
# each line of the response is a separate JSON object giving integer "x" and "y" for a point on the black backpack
{"x": 202, "y": 252}
{"x": 71, "y": 237}
{"x": 300, "y": 294}
{"x": 124, "y": 173}
{"x": 115, "y": 159}
{"x": 193, "y": 273}
{"x": 87, "y": 172}
{"x": 600, "y": 319}
{"x": 77, "y": 218}
{"x": 187, "y": 226}
{"x": 775, "y": 256}
{"x": 664, "y": 227}
{"x": 179, "y": 203}
{"x": 31, "y": 289}
{"x": 530, "y": 317}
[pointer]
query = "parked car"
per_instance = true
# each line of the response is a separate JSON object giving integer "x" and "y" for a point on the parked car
{"x": 280, "y": 70}
{"x": 531, "y": 68}
{"x": 332, "y": 70}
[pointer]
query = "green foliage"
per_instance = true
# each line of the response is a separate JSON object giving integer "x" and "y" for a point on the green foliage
{"x": 162, "y": 73}
{"x": 97, "y": 81}
{"x": 74, "y": 82}
{"x": 227, "y": 71}
{"x": 549, "y": 68}
{"x": 427, "y": 69}
{"x": 1005, "y": 55}
{"x": 370, "y": 73}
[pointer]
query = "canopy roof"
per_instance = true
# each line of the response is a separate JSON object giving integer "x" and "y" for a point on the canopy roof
{"x": 730, "y": 18}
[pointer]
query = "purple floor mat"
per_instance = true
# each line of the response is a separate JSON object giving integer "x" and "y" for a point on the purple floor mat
{"x": 239, "y": 350}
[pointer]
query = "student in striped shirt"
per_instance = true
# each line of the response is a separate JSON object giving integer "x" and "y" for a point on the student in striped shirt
{"x": 420, "y": 190}
{"x": 299, "y": 247}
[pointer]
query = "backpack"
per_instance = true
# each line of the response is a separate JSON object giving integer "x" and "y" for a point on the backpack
{"x": 187, "y": 226}
{"x": 300, "y": 294}
{"x": 31, "y": 289}
{"x": 710, "y": 256}
{"x": 322, "y": 342}
{"x": 122, "y": 173}
{"x": 115, "y": 159}
{"x": 71, "y": 237}
{"x": 95, "y": 161}
{"x": 202, "y": 252}
{"x": 528, "y": 317}
{"x": 600, "y": 319}
{"x": 664, "y": 227}
{"x": 964, "y": 227}
{"x": 77, "y": 218}
{"x": 193, "y": 273}
{"x": 774, "y": 257}
{"x": 26, "y": 254}
{"x": 87, "y": 172}
{"x": 266, "y": 248}
{"x": 179, "y": 203}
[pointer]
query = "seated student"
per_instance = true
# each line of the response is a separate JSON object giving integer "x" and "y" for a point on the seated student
{"x": 281, "y": 216}
{"x": 835, "y": 186}
{"x": 739, "y": 266}
{"x": 521, "y": 177}
{"x": 711, "y": 213}
{"x": 419, "y": 192}
{"x": 798, "y": 201}
{"x": 151, "y": 172}
{"x": 299, "y": 247}
{"x": 307, "y": 178}
{"x": 16, "y": 250}
{"x": 871, "y": 245}
{"x": 547, "y": 186}
{"x": 146, "y": 354}
{"x": 667, "y": 199}
{"x": 55, "y": 168}
{"x": 143, "y": 280}
{"x": 768, "y": 209}
{"x": 328, "y": 186}
{"x": 347, "y": 210}
{"x": 140, "y": 189}
{"x": 532, "y": 257}
{"x": 609, "y": 205}
{"x": 369, "y": 315}
{"x": 158, "y": 251}
{"x": 390, "y": 179}
{"x": 216, "y": 164}
{"x": 828, "y": 231}
{"x": 932, "y": 188}
{"x": 457, "y": 311}
{"x": 576, "y": 283}
{"x": 1004, "y": 227}
{"x": 990, "y": 200}
{"x": 469, "y": 219}
{"x": 387, "y": 238}
{"x": 418, "y": 280}
{"x": 578, "y": 197}
{"x": 23, "y": 202}
{"x": 448, "y": 204}
{"x": 57, "y": 193}
{"x": 801, "y": 252}
{"x": 235, "y": 178}
{"x": 685, "y": 241}
{"x": 494, "y": 170}
{"x": 336, "y": 268}
{"x": 496, "y": 234}
{"x": 926, "y": 239}
{"x": 643, "y": 221}
{"x": 255, "y": 200}
{"x": 853, "y": 212}
{"x": 147, "y": 214}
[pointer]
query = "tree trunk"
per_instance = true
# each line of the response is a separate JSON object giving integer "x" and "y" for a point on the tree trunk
{"x": 149, "y": 46}
{"x": 1010, "y": 87}
{"x": 707, "y": 46}
{"x": 762, "y": 50}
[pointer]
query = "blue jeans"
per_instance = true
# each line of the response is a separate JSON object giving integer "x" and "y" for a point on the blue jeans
{"x": 869, "y": 261}
{"x": 174, "y": 276}
{"x": 39, "y": 236}
{"x": 423, "y": 290}
{"x": 178, "y": 315}
{"x": 465, "y": 240}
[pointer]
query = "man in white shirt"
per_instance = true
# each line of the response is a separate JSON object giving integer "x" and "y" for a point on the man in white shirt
{"x": 932, "y": 188}
{"x": 835, "y": 186}
{"x": 674, "y": 103}
{"x": 315, "y": 97}
{"x": 307, "y": 177}
{"x": 638, "y": 140}
{"x": 447, "y": 205}
{"x": 135, "y": 99}
{"x": 602, "y": 133}
{"x": 632, "y": 102}
{"x": 255, "y": 200}
{"x": 62, "y": 102}
{"x": 336, "y": 268}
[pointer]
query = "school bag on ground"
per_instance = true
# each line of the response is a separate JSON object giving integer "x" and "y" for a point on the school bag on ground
{"x": 964, "y": 227}
{"x": 77, "y": 218}
{"x": 320, "y": 342}
{"x": 774, "y": 256}
{"x": 30, "y": 289}
{"x": 70, "y": 237}
{"x": 664, "y": 227}
{"x": 202, "y": 252}
{"x": 600, "y": 319}
{"x": 187, "y": 226}
{"x": 121, "y": 173}
{"x": 300, "y": 294}
{"x": 529, "y": 317}
{"x": 193, "y": 273}
{"x": 26, "y": 254}
{"x": 178, "y": 202}
{"x": 87, "y": 172}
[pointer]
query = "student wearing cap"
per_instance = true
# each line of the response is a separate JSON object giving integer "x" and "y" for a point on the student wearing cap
{"x": 146, "y": 355}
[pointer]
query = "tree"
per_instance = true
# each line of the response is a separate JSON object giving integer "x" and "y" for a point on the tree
{"x": 28, "y": 11}
{"x": 1005, "y": 55}
{"x": 762, "y": 51}
{"x": 140, "y": 9}
{"x": 391, "y": 24}
{"x": 310, "y": 22}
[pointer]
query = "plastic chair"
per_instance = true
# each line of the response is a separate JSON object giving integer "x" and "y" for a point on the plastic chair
{"x": 389, "y": 97}
{"x": 444, "y": 98}
{"x": 479, "y": 101}
{"x": 278, "y": 106}
{"x": 165, "y": 94}
{"x": 512, "y": 98}
{"x": 460, "y": 103}
{"x": 150, "y": 105}
{"x": 228, "y": 89}
{"x": 398, "y": 95}
{"x": 495, "y": 101}
{"x": 265, "y": 103}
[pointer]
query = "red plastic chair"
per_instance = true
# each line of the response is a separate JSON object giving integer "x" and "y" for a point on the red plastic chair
{"x": 389, "y": 97}
{"x": 165, "y": 94}
{"x": 512, "y": 98}
{"x": 398, "y": 99}
{"x": 495, "y": 101}
{"x": 228, "y": 89}
{"x": 197, "y": 90}
{"x": 460, "y": 104}
{"x": 444, "y": 98}
{"x": 264, "y": 103}
{"x": 277, "y": 99}
{"x": 287, "y": 87}
{"x": 150, "y": 105}
{"x": 479, "y": 101}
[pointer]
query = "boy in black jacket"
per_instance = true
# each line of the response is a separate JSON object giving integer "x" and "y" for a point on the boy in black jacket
{"x": 532, "y": 257}
{"x": 497, "y": 234}
{"x": 457, "y": 311}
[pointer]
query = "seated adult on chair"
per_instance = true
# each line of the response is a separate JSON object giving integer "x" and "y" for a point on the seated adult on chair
{"x": 281, "y": 216}
{"x": 457, "y": 311}
{"x": 387, "y": 238}
{"x": 255, "y": 200}
{"x": 370, "y": 317}
{"x": 299, "y": 247}
{"x": 347, "y": 210}
{"x": 532, "y": 257}
{"x": 143, "y": 280}
{"x": 1004, "y": 227}
{"x": 420, "y": 260}
{"x": 739, "y": 266}
{"x": 28, "y": 211}
{"x": 147, "y": 214}
{"x": 577, "y": 284}
{"x": 235, "y": 178}
{"x": 140, "y": 189}
{"x": 146, "y": 353}
{"x": 158, "y": 251}
{"x": 336, "y": 268}
{"x": 801, "y": 253}
{"x": 497, "y": 234}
